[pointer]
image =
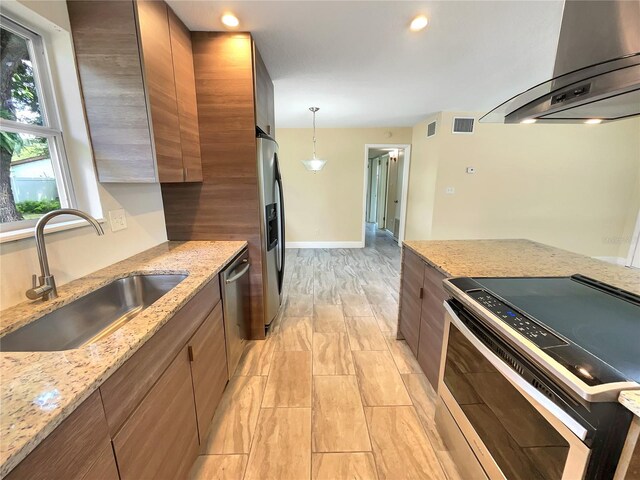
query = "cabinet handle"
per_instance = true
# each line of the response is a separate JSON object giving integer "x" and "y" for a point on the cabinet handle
{"x": 184, "y": 174}
{"x": 421, "y": 295}
{"x": 190, "y": 352}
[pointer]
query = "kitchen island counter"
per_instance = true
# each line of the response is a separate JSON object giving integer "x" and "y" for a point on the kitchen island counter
{"x": 523, "y": 258}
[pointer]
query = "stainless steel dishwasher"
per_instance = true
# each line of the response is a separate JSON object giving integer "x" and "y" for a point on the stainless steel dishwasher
{"x": 236, "y": 304}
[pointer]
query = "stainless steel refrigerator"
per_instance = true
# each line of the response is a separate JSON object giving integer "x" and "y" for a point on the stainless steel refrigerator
{"x": 272, "y": 211}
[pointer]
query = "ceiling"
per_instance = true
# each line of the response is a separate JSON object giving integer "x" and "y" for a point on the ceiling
{"x": 360, "y": 64}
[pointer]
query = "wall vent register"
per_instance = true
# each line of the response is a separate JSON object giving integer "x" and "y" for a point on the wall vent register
{"x": 463, "y": 125}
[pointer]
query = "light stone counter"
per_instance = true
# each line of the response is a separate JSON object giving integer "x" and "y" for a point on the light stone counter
{"x": 631, "y": 400}
{"x": 524, "y": 258}
{"x": 39, "y": 390}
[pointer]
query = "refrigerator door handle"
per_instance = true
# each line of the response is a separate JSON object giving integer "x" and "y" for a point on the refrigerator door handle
{"x": 281, "y": 240}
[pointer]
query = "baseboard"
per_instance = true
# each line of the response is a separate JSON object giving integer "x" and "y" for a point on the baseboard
{"x": 614, "y": 260}
{"x": 325, "y": 245}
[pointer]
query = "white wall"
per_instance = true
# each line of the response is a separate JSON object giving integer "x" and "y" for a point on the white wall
{"x": 328, "y": 206}
{"x": 571, "y": 186}
{"x": 77, "y": 252}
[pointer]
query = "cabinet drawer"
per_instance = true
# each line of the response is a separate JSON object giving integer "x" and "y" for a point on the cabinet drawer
{"x": 160, "y": 439}
{"x": 208, "y": 368}
{"x": 72, "y": 449}
{"x": 125, "y": 389}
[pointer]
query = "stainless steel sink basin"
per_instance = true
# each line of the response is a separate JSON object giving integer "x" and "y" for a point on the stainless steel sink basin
{"x": 92, "y": 317}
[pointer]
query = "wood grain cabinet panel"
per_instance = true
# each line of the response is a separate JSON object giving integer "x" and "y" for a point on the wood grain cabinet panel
{"x": 135, "y": 67}
{"x": 431, "y": 324}
{"x": 125, "y": 389}
{"x": 160, "y": 439}
{"x": 155, "y": 42}
{"x": 226, "y": 205}
{"x": 264, "y": 97}
{"x": 410, "y": 301}
{"x": 208, "y": 368}
{"x": 79, "y": 446}
{"x": 186, "y": 97}
{"x": 110, "y": 73}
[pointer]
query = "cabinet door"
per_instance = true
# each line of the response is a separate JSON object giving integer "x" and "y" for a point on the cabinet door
{"x": 410, "y": 298}
{"x": 264, "y": 97}
{"x": 110, "y": 74}
{"x": 186, "y": 96}
{"x": 432, "y": 324}
{"x": 208, "y": 367}
{"x": 160, "y": 439}
{"x": 155, "y": 42}
{"x": 74, "y": 449}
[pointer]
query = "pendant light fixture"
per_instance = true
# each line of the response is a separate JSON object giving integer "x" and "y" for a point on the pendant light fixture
{"x": 314, "y": 164}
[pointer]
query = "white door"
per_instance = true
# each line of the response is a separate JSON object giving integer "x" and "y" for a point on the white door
{"x": 383, "y": 167}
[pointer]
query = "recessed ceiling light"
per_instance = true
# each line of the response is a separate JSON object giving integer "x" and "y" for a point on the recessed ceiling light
{"x": 529, "y": 120}
{"x": 230, "y": 20}
{"x": 418, "y": 23}
{"x": 593, "y": 121}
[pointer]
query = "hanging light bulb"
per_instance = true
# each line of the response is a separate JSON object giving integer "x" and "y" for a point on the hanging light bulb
{"x": 314, "y": 164}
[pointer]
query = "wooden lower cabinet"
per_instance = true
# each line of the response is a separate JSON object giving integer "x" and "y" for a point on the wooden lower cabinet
{"x": 410, "y": 300}
{"x": 148, "y": 419}
{"x": 160, "y": 439}
{"x": 208, "y": 368}
{"x": 421, "y": 318}
{"x": 79, "y": 447}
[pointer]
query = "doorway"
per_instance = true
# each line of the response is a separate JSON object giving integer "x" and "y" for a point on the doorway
{"x": 385, "y": 193}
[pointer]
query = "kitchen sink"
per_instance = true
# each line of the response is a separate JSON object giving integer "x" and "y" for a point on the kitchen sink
{"x": 91, "y": 317}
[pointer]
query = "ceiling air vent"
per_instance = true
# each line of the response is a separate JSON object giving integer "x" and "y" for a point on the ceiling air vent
{"x": 463, "y": 125}
{"x": 431, "y": 129}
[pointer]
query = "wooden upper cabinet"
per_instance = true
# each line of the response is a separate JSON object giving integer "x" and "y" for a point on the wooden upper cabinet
{"x": 136, "y": 72}
{"x": 155, "y": 43}
{"x": 264, "y": 97}
{"x": 110, "y": 73}
{"x": 185, "y": 82}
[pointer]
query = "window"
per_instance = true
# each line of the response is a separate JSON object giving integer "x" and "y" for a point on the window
{"x": 33, "y": 174}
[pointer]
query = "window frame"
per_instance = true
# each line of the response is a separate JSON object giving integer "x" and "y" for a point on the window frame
{"x": 51, "y": 124}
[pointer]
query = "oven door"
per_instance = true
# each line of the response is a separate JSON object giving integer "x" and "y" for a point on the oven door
{"x": 515, "y": 431}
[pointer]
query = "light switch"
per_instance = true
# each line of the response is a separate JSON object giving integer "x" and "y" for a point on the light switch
{"x": 450, "y": 190}
{"x": 118, "y": 220}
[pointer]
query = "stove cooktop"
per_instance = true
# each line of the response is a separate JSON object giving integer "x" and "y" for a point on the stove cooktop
{"x": 590, "y": 328}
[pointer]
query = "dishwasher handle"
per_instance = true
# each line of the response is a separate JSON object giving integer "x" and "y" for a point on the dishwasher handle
{"x": 241, "y": 273}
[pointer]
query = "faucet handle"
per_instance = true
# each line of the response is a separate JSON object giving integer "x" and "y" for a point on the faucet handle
{"x": 34, "y": 281}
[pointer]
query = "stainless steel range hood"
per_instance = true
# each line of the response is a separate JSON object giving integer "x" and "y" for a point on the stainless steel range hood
{"x": 596, "y": 73}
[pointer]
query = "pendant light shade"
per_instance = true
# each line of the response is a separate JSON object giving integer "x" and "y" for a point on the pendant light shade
{"x": 314, "y": 164}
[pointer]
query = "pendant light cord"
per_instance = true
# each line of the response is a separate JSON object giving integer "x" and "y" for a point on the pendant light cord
{"x": 314, "y": 110}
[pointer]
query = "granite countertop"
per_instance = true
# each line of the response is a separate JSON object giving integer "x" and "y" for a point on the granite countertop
{"x": 518, "y": 258}
{"x": 40, "y": 389}
{"x": 631, "y": 400}
{"x": 524, "y": 258}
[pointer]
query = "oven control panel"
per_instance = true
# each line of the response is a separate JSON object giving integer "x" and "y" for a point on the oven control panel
{"x": 523, "y": 325}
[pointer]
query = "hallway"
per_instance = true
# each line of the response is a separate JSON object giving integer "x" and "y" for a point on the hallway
{"x": 330, "y": 393}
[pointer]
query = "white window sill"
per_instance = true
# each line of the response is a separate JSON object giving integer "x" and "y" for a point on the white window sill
{"x": 28, "y": 232}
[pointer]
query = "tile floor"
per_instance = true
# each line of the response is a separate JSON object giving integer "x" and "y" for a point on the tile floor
{"x": 330, "y": 394}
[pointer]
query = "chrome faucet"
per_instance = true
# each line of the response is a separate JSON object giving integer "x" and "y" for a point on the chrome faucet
{"x": 46, "y": 288}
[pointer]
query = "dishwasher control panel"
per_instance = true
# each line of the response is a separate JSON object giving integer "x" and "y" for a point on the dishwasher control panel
{"x": 525, "y": 326}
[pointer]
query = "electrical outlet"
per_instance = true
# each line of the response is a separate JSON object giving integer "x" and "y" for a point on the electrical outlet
{"x": 118, "y": 220}
{"x": 450, "y": 190}
{"x": 471, "y": 170}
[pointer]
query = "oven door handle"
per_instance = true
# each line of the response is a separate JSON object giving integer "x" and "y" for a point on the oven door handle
{"x": 516, "y": 380}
